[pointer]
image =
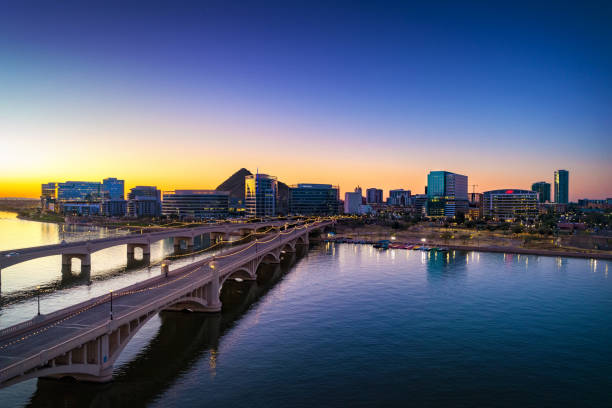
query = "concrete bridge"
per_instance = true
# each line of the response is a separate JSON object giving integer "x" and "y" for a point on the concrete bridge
{"x": 82, "y": 250}
{"x": 83, "y": 341}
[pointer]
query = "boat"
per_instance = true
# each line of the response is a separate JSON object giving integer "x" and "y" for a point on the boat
{"x": 382, "y": 244}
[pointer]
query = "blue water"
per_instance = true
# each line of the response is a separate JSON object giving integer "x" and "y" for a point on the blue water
{"x": 348, "y": 325}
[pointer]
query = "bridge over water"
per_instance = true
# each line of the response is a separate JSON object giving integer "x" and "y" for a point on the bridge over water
{"x": 84, "y": 341}
{"x": 83, "y": 249}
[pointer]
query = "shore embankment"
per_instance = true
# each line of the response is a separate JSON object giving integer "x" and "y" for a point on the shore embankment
{"x": 483, "y": 241}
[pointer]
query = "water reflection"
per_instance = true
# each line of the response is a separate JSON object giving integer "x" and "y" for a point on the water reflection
{"x": 182, "y": 340}
{"x": 444, "y": 265}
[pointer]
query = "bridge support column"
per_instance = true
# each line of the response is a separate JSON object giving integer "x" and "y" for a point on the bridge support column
{"x": 213, "y": 304}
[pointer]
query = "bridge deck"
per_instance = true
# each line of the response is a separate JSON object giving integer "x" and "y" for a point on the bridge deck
{"x": 71, "y": 322}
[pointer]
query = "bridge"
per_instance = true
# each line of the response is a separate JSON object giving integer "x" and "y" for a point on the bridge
{"x": 83, "y": 341}
{"x": 82, "y": 250}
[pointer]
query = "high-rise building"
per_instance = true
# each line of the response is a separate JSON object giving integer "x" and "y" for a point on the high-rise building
{"x": 561, "y": 186}
{"x": 313, "y": 199}
{"x": 399, "y": 197}
{"x": 510, "y": 204}
{"x": 113, "y": 189}
{"x": 352, "y": 201}
{"x": 446, "y": 194}
{"x": 374, "y": 196}
{"x": 144, "y": 201}
{"x": 195, "y": 204}
{"x": 543, "y": 190}
{"x": 260, "y": 195}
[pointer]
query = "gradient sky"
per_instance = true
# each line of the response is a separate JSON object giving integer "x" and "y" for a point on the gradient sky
{"x": 181, "y": 95}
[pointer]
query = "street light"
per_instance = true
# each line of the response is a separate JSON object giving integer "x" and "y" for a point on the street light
{"x": 111, "y": 304}
{"x": 38, "y": 296}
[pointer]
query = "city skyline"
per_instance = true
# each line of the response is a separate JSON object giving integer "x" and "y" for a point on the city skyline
{"x": 183, "y": 102}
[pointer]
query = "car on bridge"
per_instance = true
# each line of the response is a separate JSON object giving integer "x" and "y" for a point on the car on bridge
{"x": 10, "y": 254}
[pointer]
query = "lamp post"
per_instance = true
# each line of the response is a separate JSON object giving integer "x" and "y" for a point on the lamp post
{"x": 111, "y": 304}
{"x": 38, "y": 297}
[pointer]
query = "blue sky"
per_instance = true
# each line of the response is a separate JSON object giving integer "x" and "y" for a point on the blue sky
{"x": 383, "y": 92}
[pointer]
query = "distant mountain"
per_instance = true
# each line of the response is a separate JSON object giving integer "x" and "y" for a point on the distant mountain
{"x": 235, "y": 184}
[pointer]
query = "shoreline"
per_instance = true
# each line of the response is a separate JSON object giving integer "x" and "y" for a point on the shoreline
{"x": 514, "y": 250}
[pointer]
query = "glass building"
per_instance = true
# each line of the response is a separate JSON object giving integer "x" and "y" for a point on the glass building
{"x": 446, "y": 194}
{"x": 543, "y": 190}
{"x": 195, "y": 204}
{"x": 260, "y": 195}
{"x": 561, "y": 186}
{"x": 374, "y": 196}
{"x": 399, "y": 197}
{"x": 144, "y": 201}
{"x": 48, "y": 196}
{"x": 89, "y": 191}
{"x": 314, "y": 199}
{"x": 113, "y": 189}
{"x": 510, "y": 204}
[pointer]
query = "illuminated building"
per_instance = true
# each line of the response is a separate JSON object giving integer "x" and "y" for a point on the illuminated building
{"x": 144, "y": 201}
{"x": 543, "y": 190}
{"x": 510, "y": 204}
{"x": 446, "y": 194}
{"x": 313, "y": 199}
{"x": 195, "y": 204}
{"x": 561, "y": 186}
{"x": 48, "y": 196}
{"x": 260, "y": 195}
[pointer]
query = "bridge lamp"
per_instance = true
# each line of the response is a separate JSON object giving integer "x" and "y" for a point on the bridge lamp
{"x": 423, "y": 240}
{"x": 38, "y": 296}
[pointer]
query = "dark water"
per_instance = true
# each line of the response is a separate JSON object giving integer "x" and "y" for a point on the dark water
{"x": 348, "y": 325}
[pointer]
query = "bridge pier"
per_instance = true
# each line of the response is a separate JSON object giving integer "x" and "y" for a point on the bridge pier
{"x": 213, "y": 303}
{"x": 190, "y": 243}
{"x": 218, "y": 236}
{"x": 131, "y": 258}
{"x": 84, "y": 258}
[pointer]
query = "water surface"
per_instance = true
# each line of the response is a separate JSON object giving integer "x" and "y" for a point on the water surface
{"x": 348, "y": 325}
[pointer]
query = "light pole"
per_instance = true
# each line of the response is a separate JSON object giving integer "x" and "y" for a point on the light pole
{"x": 111, "y": 304}
{"x": 38, "y": 296}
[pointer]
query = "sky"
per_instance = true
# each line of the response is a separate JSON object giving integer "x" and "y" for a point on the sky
{"x": 183, "y": 94}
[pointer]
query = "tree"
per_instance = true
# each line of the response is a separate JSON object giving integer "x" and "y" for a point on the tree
{"x": 460, "y": 218}
{"x": 446, "y": 236}
{"x": 517, "y": 229}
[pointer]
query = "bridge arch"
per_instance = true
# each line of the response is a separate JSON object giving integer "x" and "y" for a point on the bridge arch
{"x": 242, "y": 273}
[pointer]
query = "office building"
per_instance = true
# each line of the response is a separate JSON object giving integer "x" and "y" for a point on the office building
{"x": 399, "y": 197}
{"x": 420, "y": 203}
{"x": 113, "y": 189}
{"x": 113, "y": 208}
{"x": 313, "y": 199}
{"x": 260, "y": 195}
{"x": 374, "y": 196}
{"x": 510, "y": 204}
{"x": 352, "y": 201}
{"x": 446, "y": 194}
{"x": 144, "y": 201}
{"x": 89, "y": 191}
{"x": 48, "y": 196}
{"x": 195, "y": 204}
{"x": 543, "y": 190}
{"x": 561, "y": 186}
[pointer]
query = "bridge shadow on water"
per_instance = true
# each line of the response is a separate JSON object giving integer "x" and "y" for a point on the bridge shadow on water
{"x": 183, "y": 339}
